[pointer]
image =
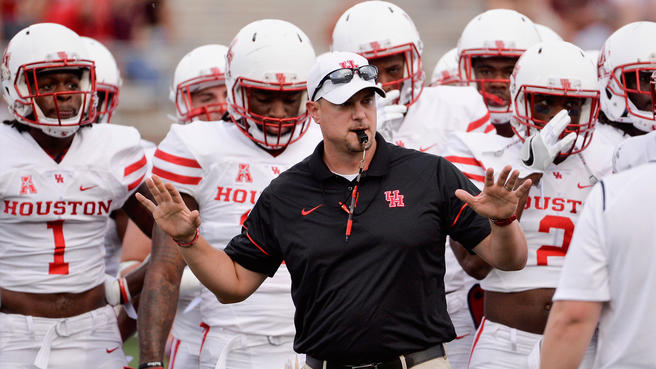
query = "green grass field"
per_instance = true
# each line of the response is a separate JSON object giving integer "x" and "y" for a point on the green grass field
{"x": 131, "y": 348}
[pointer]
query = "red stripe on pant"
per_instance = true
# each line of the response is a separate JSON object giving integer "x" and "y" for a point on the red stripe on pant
{"x": 174, "y": 352}
{"x": 478, "y": 335}
{"x": 206, "y": 329}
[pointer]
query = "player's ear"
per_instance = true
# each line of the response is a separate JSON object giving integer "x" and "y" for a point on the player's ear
{"x": 314, "y": 108}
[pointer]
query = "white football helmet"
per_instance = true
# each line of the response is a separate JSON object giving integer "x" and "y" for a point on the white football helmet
{"x": 271, "y": 55}
{"x": 555, "y": 68}
{"x": 547, "y": 34}
{"x": 446, "y": 70}
{"x": 40, "y": 48}
{"x": 494, "y": 33}
{"x": 376, "y": 29}
{"x": 629, "y": 53}
{"x": 202, "y": 67}
{"x": 108, "y": 79}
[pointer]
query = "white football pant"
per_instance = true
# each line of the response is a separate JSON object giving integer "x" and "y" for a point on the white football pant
{"x": 497, "y": 346}
{"x": 89, "y": 340}
{"x": 458, "y": 350}
{"x": 224, "y": 349}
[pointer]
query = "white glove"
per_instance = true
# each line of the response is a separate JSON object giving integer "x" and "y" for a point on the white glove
{"x": 540, "y": 150}
{"x": 389, "y": 115}
{"x": 117, "y": 292}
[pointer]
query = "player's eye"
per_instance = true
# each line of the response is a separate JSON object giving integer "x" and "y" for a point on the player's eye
{"x": 542, "y": 106}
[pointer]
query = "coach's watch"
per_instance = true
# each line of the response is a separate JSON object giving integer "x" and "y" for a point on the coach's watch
{"x": 151, "y": 364}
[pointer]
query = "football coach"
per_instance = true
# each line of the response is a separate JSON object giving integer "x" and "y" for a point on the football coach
{"x": 361, "y": 225}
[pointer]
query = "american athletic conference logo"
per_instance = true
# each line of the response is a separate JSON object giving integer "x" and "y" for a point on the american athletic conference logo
{"x": 394, "y": 198}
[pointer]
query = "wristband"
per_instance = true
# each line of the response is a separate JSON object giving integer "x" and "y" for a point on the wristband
{"x": 504, "y": 222}
{"x": 151, "y": 364}
{"x": 188, "y": 244}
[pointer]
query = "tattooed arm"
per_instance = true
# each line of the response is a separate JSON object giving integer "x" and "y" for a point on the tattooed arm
{"x": 159, "y": 296}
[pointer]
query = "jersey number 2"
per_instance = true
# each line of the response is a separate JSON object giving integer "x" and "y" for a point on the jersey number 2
{"x": 58, "y": 266}
{"x": 553, "y": 221}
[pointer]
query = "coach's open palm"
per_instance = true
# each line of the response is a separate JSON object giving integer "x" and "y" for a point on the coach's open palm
{"x": 171, "y": 213}
{"x": 499, "y": 199}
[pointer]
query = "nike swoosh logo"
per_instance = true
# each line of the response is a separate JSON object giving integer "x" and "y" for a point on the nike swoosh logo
{"x": 112, "y": 350}
{"x": 306, "y": 212}
{"x": 582, "y": 187}
{"x": 87, "y": 188}
{"x": 427, "y": 148}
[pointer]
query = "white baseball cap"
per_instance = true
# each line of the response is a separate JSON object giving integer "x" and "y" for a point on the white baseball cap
{"x": 338, "y": 93}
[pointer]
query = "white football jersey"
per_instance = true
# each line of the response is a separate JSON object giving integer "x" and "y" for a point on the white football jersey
{"x": 608, "y": 135}
{"x": 225, "y": 172}
{"x": 113, "y": 244}
{"x": 611, "y": 261}
{"x": 634, "y": 151}
{"x": 552, "y": 208}
{"x": 439, "y": 111}
{"x": 54, "y": 216}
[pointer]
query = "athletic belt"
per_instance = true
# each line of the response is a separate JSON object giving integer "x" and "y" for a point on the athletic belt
{"x": 411, "y": 360}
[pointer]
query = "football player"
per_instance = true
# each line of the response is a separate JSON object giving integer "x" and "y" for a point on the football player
{"x": 446, "y": 70}
{"x": 555, "y": 101}
{"x": 56, "y": 198}
{"x": 413, "y": 115}
{"x": 221, "y": 169}
{"x": 199, "y": 90}
{"x": 626, "y": 63}
{"x": 488, "y": 49}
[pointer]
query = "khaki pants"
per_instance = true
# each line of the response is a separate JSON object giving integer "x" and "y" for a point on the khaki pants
{"x": 437, "y": 363}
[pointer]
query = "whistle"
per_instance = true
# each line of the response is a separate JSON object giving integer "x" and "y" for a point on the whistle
{"x": 362, "y": 136}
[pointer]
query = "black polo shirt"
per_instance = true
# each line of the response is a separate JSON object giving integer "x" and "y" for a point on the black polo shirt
{"x": 381, "y": 294}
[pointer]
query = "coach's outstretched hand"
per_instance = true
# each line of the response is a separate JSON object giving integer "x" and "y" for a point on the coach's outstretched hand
{"x": 498, "y": 200}
{"x": 171, "y": 213}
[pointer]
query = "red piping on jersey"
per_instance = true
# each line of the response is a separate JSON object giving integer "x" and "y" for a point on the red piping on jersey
{"x": 464, "y": 160}
{"x": 458, "y": 216}
{"x": 478, "y": 122}
{"x": 475, "y": 177}
{"x": 176, "y": 177}
{"x": 489, "y": 128}
{"x": 478, "y": 335}
{"x": 206, "y": 328}
{"x": 191, "y": 163}
{"x": 136, "y": 183}
{"x": 258, "y": 246}
{"x": 135, "y": 166}
{"x": 175, "y": 353}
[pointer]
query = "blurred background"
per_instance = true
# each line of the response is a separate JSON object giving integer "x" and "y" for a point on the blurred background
{"x": 148, "y": 37}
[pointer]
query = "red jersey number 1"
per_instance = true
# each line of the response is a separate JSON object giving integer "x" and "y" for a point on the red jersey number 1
{"x": 58, "y": 266}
